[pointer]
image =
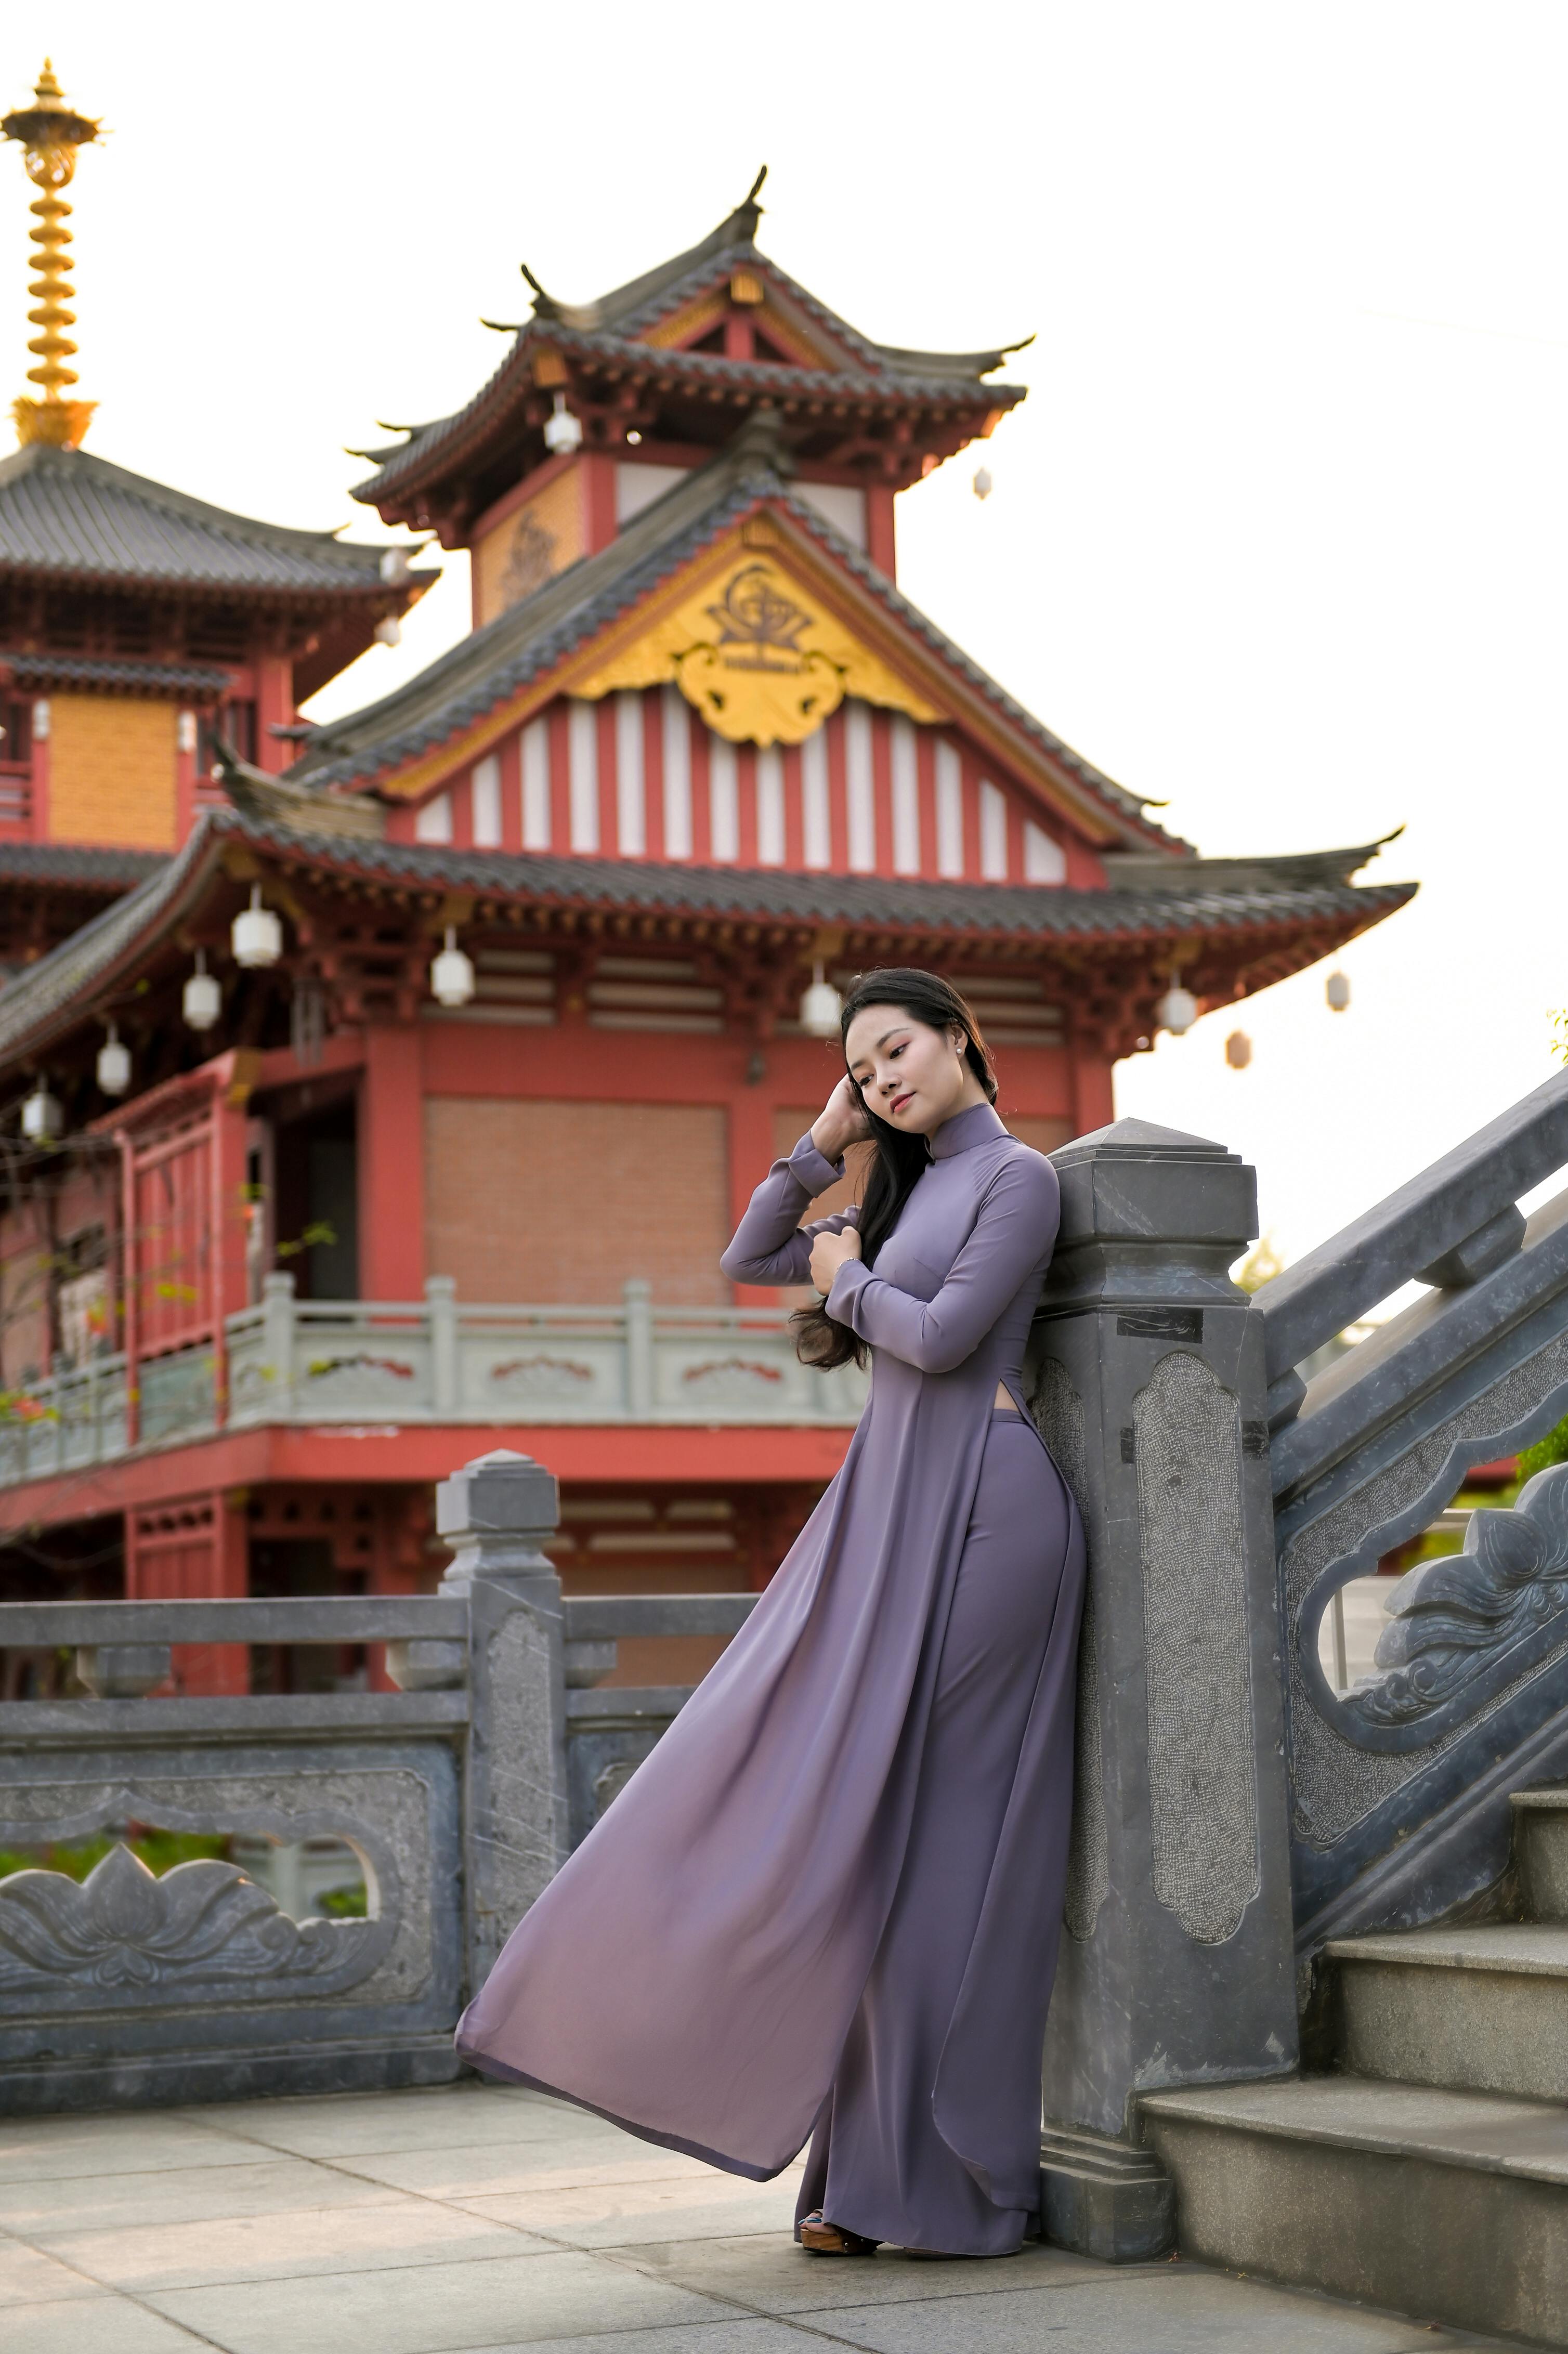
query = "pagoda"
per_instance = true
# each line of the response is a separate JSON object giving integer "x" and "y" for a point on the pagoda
{"x": 138, "y": 626}
{"x": 406, "y": 1110}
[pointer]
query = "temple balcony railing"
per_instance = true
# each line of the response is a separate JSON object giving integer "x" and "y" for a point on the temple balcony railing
{"x": 437, "y": 1359}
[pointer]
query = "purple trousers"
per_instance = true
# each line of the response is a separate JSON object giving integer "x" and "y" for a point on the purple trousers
{"x": 878, "y": 2163}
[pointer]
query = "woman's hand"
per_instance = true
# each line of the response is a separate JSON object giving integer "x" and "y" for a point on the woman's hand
{"x": 840, "y": 1121}
{"x": 828, "y": 1253}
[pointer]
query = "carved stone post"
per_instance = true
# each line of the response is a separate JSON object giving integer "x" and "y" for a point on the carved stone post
{"x": 1147, "y": 1378}
{"x": 495, "y": 1513}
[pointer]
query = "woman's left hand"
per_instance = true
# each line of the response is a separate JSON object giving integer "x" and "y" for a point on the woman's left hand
{"x": 828, "y": 1253}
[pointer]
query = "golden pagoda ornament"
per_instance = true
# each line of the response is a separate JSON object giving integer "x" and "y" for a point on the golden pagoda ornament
{"x": 49, "y": 132}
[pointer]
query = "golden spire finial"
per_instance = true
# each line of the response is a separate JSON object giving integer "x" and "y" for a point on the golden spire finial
{"x": 49, "y": 132}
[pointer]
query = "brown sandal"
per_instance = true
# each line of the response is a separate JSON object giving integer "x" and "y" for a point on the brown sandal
{"x": 821, "y": 2238}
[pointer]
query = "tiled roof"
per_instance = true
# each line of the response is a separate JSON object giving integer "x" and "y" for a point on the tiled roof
{"x": 48, "y": 996}
{"x": 76, "y": 862}
{"x": 615, "y": 329}
{"x": 528, "y": 640}
{"x": 65, "y": 513}
{"x": 126, "y": 677}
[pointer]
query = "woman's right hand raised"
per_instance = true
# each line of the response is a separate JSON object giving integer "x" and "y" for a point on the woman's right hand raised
{"x": 841, "y": 1121}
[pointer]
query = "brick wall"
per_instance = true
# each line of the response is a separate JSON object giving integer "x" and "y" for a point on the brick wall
{"x": 113, "y": 765}
{"x": 531, "y": 1201}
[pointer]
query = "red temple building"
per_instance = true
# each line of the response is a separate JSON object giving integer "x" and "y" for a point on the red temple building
{"x": 500, "y": 980}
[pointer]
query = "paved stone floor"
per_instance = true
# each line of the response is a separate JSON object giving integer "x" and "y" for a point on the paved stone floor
{"x": 429, "y": 2223}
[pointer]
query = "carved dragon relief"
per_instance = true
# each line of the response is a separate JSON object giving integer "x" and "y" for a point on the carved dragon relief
{"x": 200, "y": 1930}
{"x": 1464, "y": 1612}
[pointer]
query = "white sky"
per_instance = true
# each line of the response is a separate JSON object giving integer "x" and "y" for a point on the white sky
{"x": 1279, "y": 535}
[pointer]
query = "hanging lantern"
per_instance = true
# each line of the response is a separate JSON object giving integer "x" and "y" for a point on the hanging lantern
{"x": 1337, "y": 990}
{"x": 451, "y": 974}
{"x": 389, "y": 633}
{"x": 42, "y": 1116}
{"x": 1177, "y": 1010}
{"x": 256, "y": 935}
{"x": 1238, "y": 1050}
{"x": 983, "y": 483}
{"x": 821, "y": 1007}
{"x": 113, "y": 1065}
{"x": 563, "y": 432}
{"x": 202, "y": 1000}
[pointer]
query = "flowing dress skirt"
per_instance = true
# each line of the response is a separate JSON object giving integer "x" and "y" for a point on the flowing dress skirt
{"x": 879, "y": 2162}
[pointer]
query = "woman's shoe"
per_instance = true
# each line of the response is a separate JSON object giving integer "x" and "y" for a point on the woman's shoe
{"x": 821, "y": 2239}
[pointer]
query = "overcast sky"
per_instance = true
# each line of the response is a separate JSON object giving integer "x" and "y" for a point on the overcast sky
{"x": 1278, "y": 538}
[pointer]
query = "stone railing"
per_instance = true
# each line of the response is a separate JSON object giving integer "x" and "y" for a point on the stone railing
{"x": 1234, "y": 1808}
{"x": 437, "y": 1359}
{"x": 457, "y": 1795}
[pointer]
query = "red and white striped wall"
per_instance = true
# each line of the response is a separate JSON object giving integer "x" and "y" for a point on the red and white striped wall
{"x": 639, "y": 775}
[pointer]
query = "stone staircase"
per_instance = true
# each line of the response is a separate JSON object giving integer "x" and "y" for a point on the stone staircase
{"x": 1429, "y": 2171}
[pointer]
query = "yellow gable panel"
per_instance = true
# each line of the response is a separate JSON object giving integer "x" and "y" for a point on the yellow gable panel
{"x": 758, "y": 653}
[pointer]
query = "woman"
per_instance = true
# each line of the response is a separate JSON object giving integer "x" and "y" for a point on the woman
{"x": 827, "y": 1904}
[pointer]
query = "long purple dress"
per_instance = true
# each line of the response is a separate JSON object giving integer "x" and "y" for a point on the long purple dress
{"x": 827, "y": 1905}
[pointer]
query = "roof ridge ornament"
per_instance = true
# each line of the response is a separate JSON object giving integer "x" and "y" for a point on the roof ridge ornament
{"x": 49, "y": 132}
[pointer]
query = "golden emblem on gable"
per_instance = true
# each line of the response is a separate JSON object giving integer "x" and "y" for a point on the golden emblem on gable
{"x": 761, "y": 665}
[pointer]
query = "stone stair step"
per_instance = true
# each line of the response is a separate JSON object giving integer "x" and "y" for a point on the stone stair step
{"x": 1450, "y": 2206}
{"x": 1540, "y": 1843}
{"x": 1483, "y": 2008}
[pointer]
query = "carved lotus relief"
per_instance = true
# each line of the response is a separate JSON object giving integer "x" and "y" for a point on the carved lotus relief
{"x": 126, "y": 1932}
{"x": 1452, "y": 1618}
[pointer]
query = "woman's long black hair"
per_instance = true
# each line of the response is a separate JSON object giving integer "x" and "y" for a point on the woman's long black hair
{"x": 899, "y": 1158}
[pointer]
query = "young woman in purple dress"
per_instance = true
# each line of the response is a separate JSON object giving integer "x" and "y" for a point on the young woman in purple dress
{"x": 826, "y": 1908}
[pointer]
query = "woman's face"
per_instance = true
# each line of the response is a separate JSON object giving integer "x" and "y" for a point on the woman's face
{"x": 909, "y": 1074}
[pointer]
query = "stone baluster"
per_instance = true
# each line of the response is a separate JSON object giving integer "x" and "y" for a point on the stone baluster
{"x": 440, "y": 1300}
{"x": 278, "y": 1339}
{"x": 495, "y": 1513}
{"x": 1147, "y": 1378}
{"x": 638, "y": 1299}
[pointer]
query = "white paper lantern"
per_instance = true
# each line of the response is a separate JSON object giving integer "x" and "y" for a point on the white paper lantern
{"x": 1337, "y": 990}
{"x": 113, "y": 1065}
{"x": 256, "y": 935}
{"x": 563, "y": 432}
{"x": 202, "y": 1002}
{"x": 389, "y": 633}
{"x": 451, "y": 974}
{"x": 982, "y": 483}
{"x": 1238, "y": 1050}
{"x": 821, "y": 1007}
{"x": 42, "y": 1117}
{"x": 1177, "y": 1010}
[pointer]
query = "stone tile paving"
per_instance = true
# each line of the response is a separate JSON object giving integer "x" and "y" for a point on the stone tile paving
{"x": 474, "y": 2217}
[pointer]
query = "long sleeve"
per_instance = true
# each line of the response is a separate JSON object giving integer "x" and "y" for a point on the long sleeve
{"x": 1015, "y": 1229}
{"x": 770, "y": 1245}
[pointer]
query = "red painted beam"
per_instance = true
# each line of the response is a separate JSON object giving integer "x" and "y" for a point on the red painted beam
{"x": 391, "y": 1453}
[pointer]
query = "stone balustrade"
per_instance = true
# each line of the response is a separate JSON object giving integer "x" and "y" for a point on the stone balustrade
{"x": 458, "y": 1794}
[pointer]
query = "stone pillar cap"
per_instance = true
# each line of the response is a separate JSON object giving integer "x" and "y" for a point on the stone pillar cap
{"x": 1139, "y": 1140}
{"x": 497, "y": 1493}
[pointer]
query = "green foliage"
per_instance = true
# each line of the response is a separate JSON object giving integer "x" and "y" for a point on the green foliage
{"x": 1552, "y": 1448}
{"x": 343, "y": 1904}
{"x": 159, "y": 1851}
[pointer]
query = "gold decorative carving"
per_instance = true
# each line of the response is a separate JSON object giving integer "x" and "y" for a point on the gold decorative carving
{"x": 756, "y": 652}
{"x": 49, "y": 132}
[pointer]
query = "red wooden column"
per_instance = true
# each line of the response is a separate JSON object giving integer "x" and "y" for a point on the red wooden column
{"x": 392, "y": 1163}
{"x": 274, "y": 708}
{"x": 192, "y": 1549}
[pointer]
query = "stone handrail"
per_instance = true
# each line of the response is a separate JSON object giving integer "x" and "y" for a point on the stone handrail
{"x": 1449, "y": 1226}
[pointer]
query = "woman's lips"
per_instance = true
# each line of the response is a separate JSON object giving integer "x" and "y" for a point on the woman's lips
{"x": 899, "y": 1101}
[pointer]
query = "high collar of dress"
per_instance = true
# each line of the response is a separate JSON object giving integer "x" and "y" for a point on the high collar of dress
{"x": 965, "y": 1130}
